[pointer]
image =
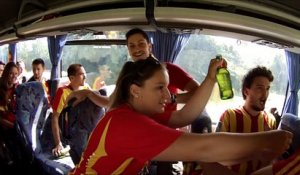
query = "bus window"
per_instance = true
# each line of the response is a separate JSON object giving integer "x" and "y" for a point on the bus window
{"x": 101, "y": 62}
{"x": 4, "y": 53}
{"x": 29, "y": 50}
{"x": 241, "y": 56}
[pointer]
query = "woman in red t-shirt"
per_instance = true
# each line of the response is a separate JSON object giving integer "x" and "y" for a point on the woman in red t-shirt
{"x": 127, "y": 137}
{"x": 8, "y": 83}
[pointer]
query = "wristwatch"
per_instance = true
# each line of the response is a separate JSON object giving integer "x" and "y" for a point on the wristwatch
{"x": 173, "y": 98}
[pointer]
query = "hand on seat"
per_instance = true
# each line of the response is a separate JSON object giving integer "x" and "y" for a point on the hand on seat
{"x": 57, "y": 151}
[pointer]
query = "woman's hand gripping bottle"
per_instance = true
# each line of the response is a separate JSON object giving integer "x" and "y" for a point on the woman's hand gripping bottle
{"x": 224, "y": 81}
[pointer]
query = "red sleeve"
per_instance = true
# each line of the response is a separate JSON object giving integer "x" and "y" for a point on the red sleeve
{"x": 288, "y": 166}
{"x": 57, "y": 98}
{"x": 178, "y": 77}
{"x": 144, "y": 139}
{"x": 164, "y": 117}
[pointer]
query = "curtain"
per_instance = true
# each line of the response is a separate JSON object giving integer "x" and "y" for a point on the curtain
{"x": 167, "y": 46}
{"x": 293, "y": 64}
{"x": 12, "y": 52}
{"x": 55, "y": 46}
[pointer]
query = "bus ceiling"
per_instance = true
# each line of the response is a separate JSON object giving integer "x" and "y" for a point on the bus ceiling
{"x": 273, "y": 21}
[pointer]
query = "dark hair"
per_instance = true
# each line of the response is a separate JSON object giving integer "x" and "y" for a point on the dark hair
{"x": 259, "y": 71}
{"x": 72, "y": 69}
{"x": 137, "y": 31}
{"x": 2, "y": 63}
{"x": 133, "y": 73}
{"x": 38, "y": 61}
{"x": 6, "y": 71}
{"x": 4, "y": 80}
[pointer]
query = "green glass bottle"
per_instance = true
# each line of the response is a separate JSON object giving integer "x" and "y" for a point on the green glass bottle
{"x": 224, "y": 82}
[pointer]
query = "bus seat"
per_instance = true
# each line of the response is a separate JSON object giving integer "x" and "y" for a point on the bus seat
{"x": 202, "y": 124}
{"x": 82, "y": 119}
{"x": 291, "y": 122}
{"x": 31, "y": 116}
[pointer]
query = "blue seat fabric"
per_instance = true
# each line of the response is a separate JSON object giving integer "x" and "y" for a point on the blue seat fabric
{"x": 34, "y": 127}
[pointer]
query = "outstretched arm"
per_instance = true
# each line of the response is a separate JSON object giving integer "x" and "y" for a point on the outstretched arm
{"x": 94, "y": 96}
{"x": 226, "y": 147}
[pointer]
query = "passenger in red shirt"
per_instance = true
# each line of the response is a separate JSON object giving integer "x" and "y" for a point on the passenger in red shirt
{"x": 77, "y": 76}
{"x": 8, "y": 84}
{"x": 139, "y": 48}
{"x": 127, "y": 137}
{"x": 8, "y": 140}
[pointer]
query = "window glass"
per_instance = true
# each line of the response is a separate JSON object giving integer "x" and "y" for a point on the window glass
{"x": 241, "y": 56}
{"x": 29, "y": 50}
{"x": 101, "y": 62}
{"x": 4, "y": 53}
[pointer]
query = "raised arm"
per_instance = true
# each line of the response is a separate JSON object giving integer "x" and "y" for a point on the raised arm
{"x": 198, "y": 100}
{"x": 191, "y": 87}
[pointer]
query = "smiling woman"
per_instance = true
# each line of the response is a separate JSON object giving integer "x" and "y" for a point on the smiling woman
{"x": 95, "y": 38}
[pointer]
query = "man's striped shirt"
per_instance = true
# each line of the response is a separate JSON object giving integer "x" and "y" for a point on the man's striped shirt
{"x": 240, "y": 121}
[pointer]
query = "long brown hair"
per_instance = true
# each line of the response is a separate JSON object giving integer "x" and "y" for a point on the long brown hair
{"x": 133, "y": 73}
{"x": 4, "y": 80}
{"x": 5, "y": 74}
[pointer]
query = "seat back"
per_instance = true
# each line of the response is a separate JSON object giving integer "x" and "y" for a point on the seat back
{"x": 202, "y": 124}
{"x": 34, "y": 127}
{"x": 77, "y": 124}
{"x": 30, "y": 113}
{"x": 291, "y": 122}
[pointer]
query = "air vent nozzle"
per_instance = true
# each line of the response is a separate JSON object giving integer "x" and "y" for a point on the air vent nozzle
{"x": 272, "y": 44}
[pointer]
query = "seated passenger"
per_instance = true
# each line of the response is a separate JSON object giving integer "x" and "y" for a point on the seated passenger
{"x": 251, "y": 117}
{"x": 127, "y": 137}
{"x": 38, "y": 68}
{"x": 8, "y": 84}
{"x": 77, "y": 76}
{"x": 22, "y": 71}
{"x": 2, "y": 65}
{"x": 104, "y": 73}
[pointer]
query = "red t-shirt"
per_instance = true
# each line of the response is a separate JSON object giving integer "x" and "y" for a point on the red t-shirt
{"x": 61, "y": 95}
{"x": 288, "y": 166}
{"x": 8, "y": 110}
{"x": 123, "y": 142}
{"x": 60, "y": 98}
{"x": 178, "y": 80}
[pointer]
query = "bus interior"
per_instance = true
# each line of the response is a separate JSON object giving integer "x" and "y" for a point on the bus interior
{"x": 188, "y": 33}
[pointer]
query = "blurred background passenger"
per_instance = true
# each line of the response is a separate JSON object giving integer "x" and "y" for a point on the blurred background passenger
{"x": 22, "y": 72}
{"x": 38, "y": 68}
{"x": 2, "y": 64}
{"x": 8, "y": 84}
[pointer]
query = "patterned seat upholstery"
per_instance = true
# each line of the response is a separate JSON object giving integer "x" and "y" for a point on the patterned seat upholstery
{"x": 291, "y": 123}
{"x": 34, "y": 128}
{"x": 83, "y": 118}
